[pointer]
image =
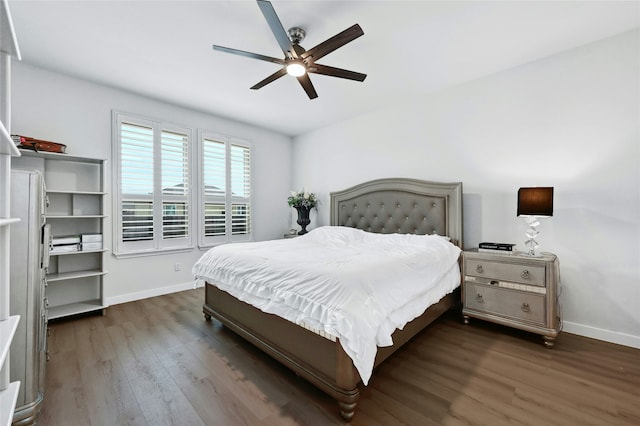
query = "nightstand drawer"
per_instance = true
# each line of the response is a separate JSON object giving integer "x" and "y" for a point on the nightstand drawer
{"x": 517, "y": 273}
{"x": 505, "y": 302}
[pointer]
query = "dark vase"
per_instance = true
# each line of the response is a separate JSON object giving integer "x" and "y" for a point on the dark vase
{"x": 303, "y": 219}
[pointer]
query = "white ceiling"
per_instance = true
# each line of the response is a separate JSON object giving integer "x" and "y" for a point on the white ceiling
{"x": 162, "y": 49}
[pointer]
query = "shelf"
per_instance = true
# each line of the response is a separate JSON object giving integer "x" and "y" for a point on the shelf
{"x": 7, "y": 330}
{"x": 74, "y": 275}
{"x": 74, "y": 309}
{"x": 77, "y": 252}
{"x": 61, "y": 157}
{"x": 58, "y": 191}
{"x": 80, "y": 216}
{"x": 8, "y": 396}
{"x": 9, "y": 221}
{"x": 8, "y": 399}
{"x": 8, "y": 39}
{"x": 7, "y": 146}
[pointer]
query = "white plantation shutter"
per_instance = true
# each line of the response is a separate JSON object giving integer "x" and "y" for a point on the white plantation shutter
{"x": 136, "y": 159}
{"x": 226, "y": 190}
{"x": 215, "y": 184}
{"x": 175, "y": 185}
{"x": 240, "y": 176}
{"x": 152, "y": 179}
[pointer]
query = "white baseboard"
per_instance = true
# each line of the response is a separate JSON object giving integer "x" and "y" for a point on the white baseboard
{"x": 139, "y": 295}
{"x": 601, "y": 334}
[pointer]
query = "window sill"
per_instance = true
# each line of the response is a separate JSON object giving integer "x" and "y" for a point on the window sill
{"x": 206, "y": 247}
{"x": 154, "y": 252}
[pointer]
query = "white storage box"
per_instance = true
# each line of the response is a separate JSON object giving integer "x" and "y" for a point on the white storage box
{"x": 92, "y": 246}
{"x": 65, "y": 239}
{"x": 91, "y": 238}
{"x": 64, "y": 248}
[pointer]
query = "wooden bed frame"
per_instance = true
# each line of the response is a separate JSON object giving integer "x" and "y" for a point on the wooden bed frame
{"x": 383, "y": 206}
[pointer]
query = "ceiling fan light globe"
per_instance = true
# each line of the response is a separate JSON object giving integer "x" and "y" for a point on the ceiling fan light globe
{"x": 296, "y": 69}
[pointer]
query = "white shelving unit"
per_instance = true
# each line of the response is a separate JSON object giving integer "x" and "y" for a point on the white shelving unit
{"x": 8, "y": 398}
{"x": 8, "y": 324}
{"x": 7, "y": 330}
{"x": 76, "y": 205}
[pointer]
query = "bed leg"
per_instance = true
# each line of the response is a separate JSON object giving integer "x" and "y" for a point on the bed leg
{"x": 347, "y": 409}
{"x": 207, "y": 317}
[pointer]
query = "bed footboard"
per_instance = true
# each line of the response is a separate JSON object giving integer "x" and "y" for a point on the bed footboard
{"x": 320, "y": 361}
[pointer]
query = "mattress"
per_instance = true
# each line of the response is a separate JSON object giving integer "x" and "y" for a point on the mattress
{"x": 341, "y": 282}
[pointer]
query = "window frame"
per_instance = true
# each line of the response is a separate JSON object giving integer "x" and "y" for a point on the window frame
{"x": 204, "y": 241}
{"x": 157, "y": 244}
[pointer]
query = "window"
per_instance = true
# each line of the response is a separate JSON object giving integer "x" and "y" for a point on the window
{"x": 225, "y": 190}
{"x": 152, "y": 176}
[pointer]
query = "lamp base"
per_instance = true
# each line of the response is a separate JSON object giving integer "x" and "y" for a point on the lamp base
{"x": 532, "y": 233}
{"x": 532, "y": 254}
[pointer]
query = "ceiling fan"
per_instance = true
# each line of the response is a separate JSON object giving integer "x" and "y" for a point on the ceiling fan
{"x": 297, "y": 61}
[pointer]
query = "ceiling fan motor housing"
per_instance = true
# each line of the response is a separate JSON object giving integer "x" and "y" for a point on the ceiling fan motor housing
{"x": 296, "y": 34}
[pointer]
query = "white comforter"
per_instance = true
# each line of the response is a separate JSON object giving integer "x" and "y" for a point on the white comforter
{"x": 352, "y": 284}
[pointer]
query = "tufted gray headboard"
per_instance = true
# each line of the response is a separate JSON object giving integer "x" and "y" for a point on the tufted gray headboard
{"x": 400, "y": 205}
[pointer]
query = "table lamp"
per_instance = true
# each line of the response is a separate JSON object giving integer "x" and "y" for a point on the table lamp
{"x": 534, "y": 203}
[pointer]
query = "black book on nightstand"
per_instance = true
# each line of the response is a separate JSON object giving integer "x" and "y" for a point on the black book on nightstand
{"x": 496, "y": 247}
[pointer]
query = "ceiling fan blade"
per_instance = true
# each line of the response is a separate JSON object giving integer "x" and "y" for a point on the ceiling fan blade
{"x": 273, "y": 77}
{"x": 249, "y": 54}
{"x": 277, "y": 29}
{"x": 306, "y": 84}
{"x": 336, "y": 72}
{"x": 334, "y": 42}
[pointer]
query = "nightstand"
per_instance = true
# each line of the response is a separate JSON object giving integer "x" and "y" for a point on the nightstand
{"x": 513, "y": 290}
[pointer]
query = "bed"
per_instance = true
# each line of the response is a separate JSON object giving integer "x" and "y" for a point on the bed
{"x": 384, "y": 206}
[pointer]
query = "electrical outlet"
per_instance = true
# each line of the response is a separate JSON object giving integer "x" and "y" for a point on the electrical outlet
{"x": 177, "y": 267}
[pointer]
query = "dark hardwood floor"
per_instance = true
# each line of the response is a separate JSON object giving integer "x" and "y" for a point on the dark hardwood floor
{"x": 158, "y": 362}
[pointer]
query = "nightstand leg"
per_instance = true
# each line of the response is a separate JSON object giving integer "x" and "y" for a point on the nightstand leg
{"x": 465, "y": 318}
{"x": 549, "y": 341}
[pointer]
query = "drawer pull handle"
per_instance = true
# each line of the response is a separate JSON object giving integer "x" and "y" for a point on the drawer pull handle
{"x": 525, "y": 307}
{"x": 494, "y": 282}
{"x": 479, "y": 269}
{"x": 525, "y": 274}
{"x": 479, "y": 298}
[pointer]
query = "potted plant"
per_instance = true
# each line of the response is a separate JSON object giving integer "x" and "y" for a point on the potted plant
{"x": 303, "y": 202}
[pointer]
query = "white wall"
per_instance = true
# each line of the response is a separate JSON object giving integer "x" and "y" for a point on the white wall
{"x": 570, "y": 121}
{"x": 55, "y": 107}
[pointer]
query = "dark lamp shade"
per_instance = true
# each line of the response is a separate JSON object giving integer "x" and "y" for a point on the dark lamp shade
{"x": 535, "y": 201}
